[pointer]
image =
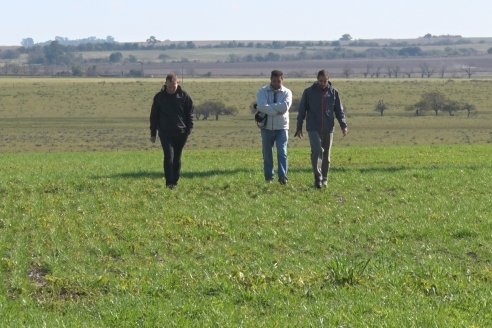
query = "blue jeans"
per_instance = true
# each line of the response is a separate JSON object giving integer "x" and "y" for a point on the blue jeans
{"x": 268, "y": 139}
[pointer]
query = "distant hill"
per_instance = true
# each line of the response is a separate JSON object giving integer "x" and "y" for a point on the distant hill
{"x": 427, "y": 56}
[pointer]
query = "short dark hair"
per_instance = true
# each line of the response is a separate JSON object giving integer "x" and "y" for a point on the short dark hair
{"x": 277, "y": 73}
{"x": 323, "y": 73}
{"x": 171, "y": 76}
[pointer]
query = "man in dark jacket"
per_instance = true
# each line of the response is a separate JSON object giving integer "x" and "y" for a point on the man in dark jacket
{"x": 320, "y": 104}
{"x": 172, "y": 116}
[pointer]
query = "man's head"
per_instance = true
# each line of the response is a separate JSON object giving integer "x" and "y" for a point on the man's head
{"x": 171, "y": 83}
{"x": 276, "y": 79}
{"x": 323, "y": 78}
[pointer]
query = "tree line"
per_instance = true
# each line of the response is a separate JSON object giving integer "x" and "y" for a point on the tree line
{"x": 346, "y": 53}
{"x": 424, "y": 70}
{"x": 435, "y": 102}
{"x": 57, "y": 54}
{"x": 432, "y": 101}
{"x": 336, "y": 49}
{"x": 64, "y": 52}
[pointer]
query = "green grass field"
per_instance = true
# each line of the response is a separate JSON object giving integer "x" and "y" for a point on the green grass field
{"x": 401, "y": 238}
{"x": 90, "y": 237}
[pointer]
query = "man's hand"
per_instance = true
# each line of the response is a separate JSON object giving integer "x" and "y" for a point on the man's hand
{"x": 345, "y": 131}
{"x": 298, "y": 134}
{"x": 152, "y": 139}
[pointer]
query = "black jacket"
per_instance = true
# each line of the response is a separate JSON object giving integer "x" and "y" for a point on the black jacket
{"x": 319, "y": 108}
{"x": 171, "y": 115}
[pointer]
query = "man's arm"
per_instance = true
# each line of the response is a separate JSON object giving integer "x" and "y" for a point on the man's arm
{"x": 340, "y": 114}
{"x": 262, "y": 103}
{"x": 189, "y": 114}
{"x": 283, "y": 107}
{"x": 279, "y": 108}
{"x": 301, "y": 114}
{"x": 154, "y": 119}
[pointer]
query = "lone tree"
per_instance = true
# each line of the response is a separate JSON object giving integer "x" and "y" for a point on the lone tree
{"x": 347, "y": 71}
{"x": 55, "y": 54}
{"x": 115, "y": 57}
{"x": 152, "y": 40}
{"x": 451, "y": 106}
{"x": 468, "y": 70}
{"x": 442, "y": 71}
{"x": 27, "y": 42}
{"x": 381, "y": 107}
{"x": 368, "y": 70}
{"x": 433, "y": 100}
{"x": 408, "y": 73}
{"x": 215, "y": 108}
{"x": 389, "y": 71}
{"x": 396, "y": 71}
{"x": 346, "y": 37}
{"x": 377, "y": 72}
{"x": 426, "y": 70}
{"x": 201, "y": 112}
{"x": 469, "y": 108}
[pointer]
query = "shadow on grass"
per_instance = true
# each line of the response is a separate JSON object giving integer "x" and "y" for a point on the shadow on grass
{"x": 391, "y": 169}
{"x": 184, "y": 174}
{"x": 396, "y": 169}
{"x": 258, "y": 171}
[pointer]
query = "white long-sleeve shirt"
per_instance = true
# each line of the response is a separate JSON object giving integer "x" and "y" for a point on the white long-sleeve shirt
{"x": 278, "y": 112}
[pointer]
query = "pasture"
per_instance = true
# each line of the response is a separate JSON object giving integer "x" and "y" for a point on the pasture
{"x": 51, "y": 115}
{"x": 90, "y": 237}
{"x": 400, "y": 238}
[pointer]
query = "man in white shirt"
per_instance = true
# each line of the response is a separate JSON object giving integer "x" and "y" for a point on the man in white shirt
{"x": 274, "y": 100}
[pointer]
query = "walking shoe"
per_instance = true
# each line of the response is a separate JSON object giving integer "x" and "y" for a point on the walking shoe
{"x": 171, "y": 186}
{"x": 317, "y": 184}
{"x": 324, "y": 182}
{"x": 283, "y": 181}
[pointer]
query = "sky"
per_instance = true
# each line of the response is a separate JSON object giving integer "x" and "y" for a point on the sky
{"x": 135, "y": 21}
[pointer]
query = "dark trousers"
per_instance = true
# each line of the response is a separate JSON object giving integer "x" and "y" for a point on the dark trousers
{"x": 320, "y": 154}
{"x": 173, "y": 148}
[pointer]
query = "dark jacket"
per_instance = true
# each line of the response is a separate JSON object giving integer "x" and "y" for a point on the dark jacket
{"x": 320, "y": 107}
{"x": 171, "y": 115}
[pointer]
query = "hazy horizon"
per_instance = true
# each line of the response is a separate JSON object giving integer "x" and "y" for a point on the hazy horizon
{"x": 241, "y": 20}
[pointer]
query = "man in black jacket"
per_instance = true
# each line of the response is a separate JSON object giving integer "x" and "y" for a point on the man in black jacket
{"x": 320, "y": 104}
{"x": 172, "y": 116}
